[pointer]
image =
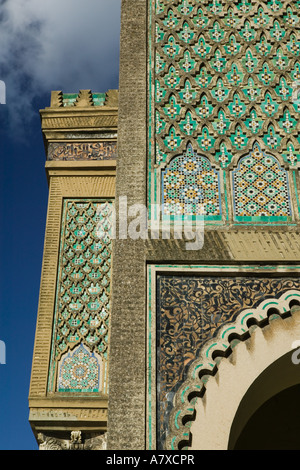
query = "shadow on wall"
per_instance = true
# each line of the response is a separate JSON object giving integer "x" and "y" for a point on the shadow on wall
{"x": 268, "y": 417}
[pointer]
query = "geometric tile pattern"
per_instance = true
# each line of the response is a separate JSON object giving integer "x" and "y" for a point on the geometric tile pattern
{"x": 82, "y": 311}
{"x": 104, "y": 150}
{"x": 79, "y": 371}
{"x": 70, "y": 99}
{"x": 191, "y": 186}
{"x": 222, "y": 77}
{"x": 190, "y": 310}
{"x": 260, "y": 187}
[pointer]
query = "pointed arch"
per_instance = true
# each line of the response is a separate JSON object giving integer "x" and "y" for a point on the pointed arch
{"x": 190, "y": 186}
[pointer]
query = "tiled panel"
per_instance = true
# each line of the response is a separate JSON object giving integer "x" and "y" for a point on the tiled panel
{"x": 82, "y": 309}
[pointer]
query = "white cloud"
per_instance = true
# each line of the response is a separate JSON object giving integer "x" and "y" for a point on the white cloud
{"x": 57, "y": 45}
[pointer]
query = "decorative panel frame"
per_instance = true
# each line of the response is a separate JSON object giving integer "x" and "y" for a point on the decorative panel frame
{"x": 222, "y": 78}
{"x": 158, "y": 406}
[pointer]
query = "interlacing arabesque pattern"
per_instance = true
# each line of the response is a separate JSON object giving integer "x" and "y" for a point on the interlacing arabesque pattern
{"x": 81, "y": 324}
{"x": 226, "y": 76}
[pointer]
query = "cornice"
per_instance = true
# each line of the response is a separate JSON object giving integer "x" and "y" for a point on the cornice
{"x": 82, "y": 115}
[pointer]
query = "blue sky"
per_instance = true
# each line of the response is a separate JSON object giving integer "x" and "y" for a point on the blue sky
{"x": 45, "y": 45}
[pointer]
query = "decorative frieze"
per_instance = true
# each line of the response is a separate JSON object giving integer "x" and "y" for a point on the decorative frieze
{"x": 106, "y": 150}
{"x": 80, "y": 122}
{"x": 190, "y": 310}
